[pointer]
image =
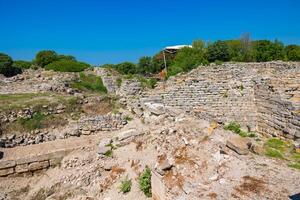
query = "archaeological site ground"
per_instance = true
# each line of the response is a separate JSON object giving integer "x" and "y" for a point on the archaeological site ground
{"x": 223, "y": 131}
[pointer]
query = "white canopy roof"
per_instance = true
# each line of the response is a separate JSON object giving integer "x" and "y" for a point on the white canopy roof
{"x": 177, "y": 47}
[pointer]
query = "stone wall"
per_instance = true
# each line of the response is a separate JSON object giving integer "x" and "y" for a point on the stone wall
{"x": 31, "y": 164}
{"x": 263, "y": 97}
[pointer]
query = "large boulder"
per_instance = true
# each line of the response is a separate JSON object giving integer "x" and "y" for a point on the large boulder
{"x": 155, "y": 108}
{"x": 239, "y": 144}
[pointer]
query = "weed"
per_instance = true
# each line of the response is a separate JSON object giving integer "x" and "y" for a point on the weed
{"x": 125, "y": 185}
{"x": 119, "y": 82}
{"x": 295, "y": 165}
{"x": 89, "y": 82}
{"x": 276, "y": 144}
{"x": 274, "y": 153}
{"x": 236, "y": 128}
{"x": 108, "y": 153}
{"x": 145, "y": 182}
{"x": 128, "y": 118}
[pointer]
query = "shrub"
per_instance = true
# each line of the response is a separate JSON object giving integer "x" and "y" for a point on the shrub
{"x": 145, "y": 182}
{"x": 45, "y": 57}
{"x": 236, "y": 128}
{"x": 293, "y": 52}
{"x": 145, "y": 65}
{"x": 6, "y": 66}
{"x": 187, "y": 59}
{"x": 21, "y": 64}
{"x": 125, "y": 185}
{"x": 218, "y": 51}
{"x": 67, "y": 66}
{"x": 89, "y": 82}
{"x": 126, "y": 68}
{"x": 119, "y": 82}
{"x": 266, "y": 50}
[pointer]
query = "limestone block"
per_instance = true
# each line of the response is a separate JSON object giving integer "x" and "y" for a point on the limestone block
{"x": 22, "y": 168}
{"x": 38, "y": 165}
{"x": 7, "y": 171}
{"x": 7, "y": 164}
{"x": 158, "y": 187}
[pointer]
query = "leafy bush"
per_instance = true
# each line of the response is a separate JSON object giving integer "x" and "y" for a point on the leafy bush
{"x": 119, "y": 82}
{"x": 145, "y": 182}
{"x": 67, "y": 66}
{"x": 6, "y": 66}
{"x": 126, "y": 68}
{"x": 218, "y": 51}
{"x": 89, "y": 82}
{"x": 266, "y": 50}
{"x": 236, "y": 128}
{"x": 45, "y": 57}
{"x": 186, "y": 60}
{"x": 125, "y": 185}
{"x": 293, "y": 52}
{"x": 145, "y": 65}
{"x": 21, "y": 64}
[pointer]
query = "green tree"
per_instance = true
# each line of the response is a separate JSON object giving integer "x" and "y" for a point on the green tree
{"x": 145, "y": 65}
{"x": 218, "y": 51}
{"x": 158, "y": 61}
{"x": 66, "y": 57}
{"x": 265, "y": 50}
{"x": 22, "y": 64}
{"x": 187, "y": 59}
{"x": 45, "y": 57}
{"x": 293, "y": 52}
{"x": 6, "y": 66}
{"x": 126, "y": 68}
{"x": 67, "y": 66}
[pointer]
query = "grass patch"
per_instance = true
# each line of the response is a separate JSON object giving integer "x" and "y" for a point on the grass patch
{"x": 145, "y": 182}
{"x": 128, "y": 118}
{"x": 125, "y": 186}
{"x": 274, "y": 153}
{"x": 108, "y": 153}
{"x": 89, "y": 82}
{"x": 236, "y": 128}
{"x": 295, "y": 165}
{"x": 34, "y": 123}
{"x": 276, "y": 143}
{"x": 145, "y": 82}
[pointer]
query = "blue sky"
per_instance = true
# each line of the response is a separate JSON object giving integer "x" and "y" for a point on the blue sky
{"x": 111, "y": 31}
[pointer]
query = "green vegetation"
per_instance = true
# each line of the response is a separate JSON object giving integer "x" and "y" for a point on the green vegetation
{"x": 295, "y": 165}
{"x": 67, "y": 66}
{"x": 236, "y": 128}
{"x": 145, "y": 182}
{"x": 21, "y": 64}
{"x": 273, "y": 153}
{"x": 125, "y": 186}
{"x": 218, "y": 51}
{"x": 89, "y": 83}
{"x": 128, "y": 118}
{"x": 45, "y": 57}
{"x": 6, "y": 66}
{"x": 108, "y": 153}
{"x": 277, "y": 148}
{"x": 188, "y": 59}
{"x": 119, "y": 82}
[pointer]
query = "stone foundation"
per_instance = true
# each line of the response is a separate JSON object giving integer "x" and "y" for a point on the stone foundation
{"x": 263, "y": 97}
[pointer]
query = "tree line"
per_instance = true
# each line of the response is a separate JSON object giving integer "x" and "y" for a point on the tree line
{"x": 185, "y": 59}
{"x": 47, "y": 59}
{"x": 203, "y": 53}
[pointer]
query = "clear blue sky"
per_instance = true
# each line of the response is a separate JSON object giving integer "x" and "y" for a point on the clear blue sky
{"x": 111, "y": 31}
